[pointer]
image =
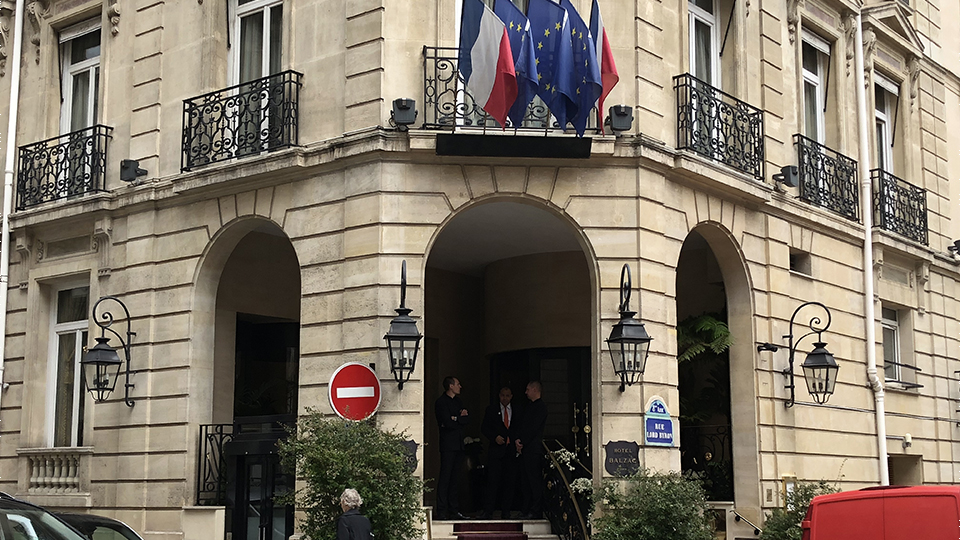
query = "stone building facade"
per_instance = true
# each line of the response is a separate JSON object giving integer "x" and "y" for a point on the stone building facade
{"x": 262, "y": 247}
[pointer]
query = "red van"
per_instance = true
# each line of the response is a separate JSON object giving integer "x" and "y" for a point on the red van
{"x": 885, "y": 513}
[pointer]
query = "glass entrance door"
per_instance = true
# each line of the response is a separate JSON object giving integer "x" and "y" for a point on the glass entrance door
{"x": 258, "y": 516}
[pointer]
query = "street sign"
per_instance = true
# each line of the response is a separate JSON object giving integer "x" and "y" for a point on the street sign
{"x": 658, "y": 426}
{"x": 354, "y": 391}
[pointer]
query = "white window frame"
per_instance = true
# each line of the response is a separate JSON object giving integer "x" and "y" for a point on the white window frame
{"x": 698, "y": 14}
{"x": 69, "y": 71}
{"x": 53, "y": 364}
{"x": 817, "y": 80}
{"x": 894, "y": 326}
{"x": 238, "y": 12}
{"x": 885, "y": 119}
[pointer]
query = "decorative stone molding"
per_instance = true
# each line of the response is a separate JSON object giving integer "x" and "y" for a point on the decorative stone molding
{"x": 22, "y": 242}
{"x": 6, "y": 17}
{"x": 36, "y": 10}
{"x": 869, "y": 48}
{"x": 793, "y": 18}
{"x": 877, "y": 270}
{"x": 923, "y": 279}
{"x": 850, "y": 33}
{"x": 39, "y": 251}
{"x": 55, "y": 476}
{"x": 913, "y": 68}
{"x": 113, "y": 12}
{"x": 102, "y": 234}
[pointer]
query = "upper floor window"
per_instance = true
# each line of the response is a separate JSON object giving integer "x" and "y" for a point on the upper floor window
{"x": 815, "y": 54}
{"x": 886, "y": 103}
{"x": 80, "y": 75}
{"x": 259, "y": 25}
{"x": 891, "y": 344}
{"x": 704, "y": 49}
{"x": 68, "y": 339}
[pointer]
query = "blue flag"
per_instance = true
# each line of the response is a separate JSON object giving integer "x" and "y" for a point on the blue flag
{"x": 524, "y": 58}
{"x": 553, "y": 48}
{"x": 589, "y": 86}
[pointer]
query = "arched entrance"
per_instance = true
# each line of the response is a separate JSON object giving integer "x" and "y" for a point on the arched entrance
{"x": 718, "y": 429}
{"x": 508, "y": 296}
{"x": 256, "y": 344}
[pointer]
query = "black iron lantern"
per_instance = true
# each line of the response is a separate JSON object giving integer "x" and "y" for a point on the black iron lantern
{"x": 820, "y": 371}
{"x": 403, "y": 338}
{"x": 629, "y": 342}
{"x": 101, "y": 364}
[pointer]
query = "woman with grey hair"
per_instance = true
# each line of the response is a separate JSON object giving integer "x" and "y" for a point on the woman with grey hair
{"x": 352, "y": 525}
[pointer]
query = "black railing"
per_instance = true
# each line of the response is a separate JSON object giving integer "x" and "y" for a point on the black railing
{"x": 242, "y": 120}
{"x": 828, "y": 178}
{"x": 211, "y": 464}
{"x": 899, "y": 206}
{"x": 706, "y": 451}
{"x": 447, "y": 104}
{"x": 568, "y": 495}
{"x": 61, "y": 167}
{"x": 719, "y": 126}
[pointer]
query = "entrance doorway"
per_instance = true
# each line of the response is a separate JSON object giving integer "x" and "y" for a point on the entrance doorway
{"x": 508, "y": 292}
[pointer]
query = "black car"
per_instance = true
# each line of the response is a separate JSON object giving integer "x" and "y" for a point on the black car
{"x": 20, "y": 520}
{"x": 97, "y": 527}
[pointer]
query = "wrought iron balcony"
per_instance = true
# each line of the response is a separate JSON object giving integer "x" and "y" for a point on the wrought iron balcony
{"x": 448, "y": 104}
{"x": 61, "y": 167}
{"x": 719, "y": 126}
{"x": 211, "y": 464}
{"x": 242, "y": 120}
{"x": 899, "y": 206}
{"x": 828, "y": 178}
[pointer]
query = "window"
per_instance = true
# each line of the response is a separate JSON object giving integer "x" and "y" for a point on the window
{"x": 68, "y": 341}
{"x": 800, "y": 262}
{"x": 815, "y": 54}
{"x": 898, "y": 364}
{"x": 891, "y": 344}
{"x": 704, "y": 53}
{"x": 886, "y": 102}
{"x": 80, "y": 75}
{"x": 259, "y": 25}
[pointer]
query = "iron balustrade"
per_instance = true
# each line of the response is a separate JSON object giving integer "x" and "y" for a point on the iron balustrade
{"x": 719, "y": 126}
{"x": 706, "y": 450}
{"x": 448, "y": 104}
{"x": 211, "y": 465}
{"x": 567, "y": 508}
{"x": 63, "y": 166}
{"x": 828, "y": 178}
{"x": 242, "y": 120}
{"x": 899, "y": 206}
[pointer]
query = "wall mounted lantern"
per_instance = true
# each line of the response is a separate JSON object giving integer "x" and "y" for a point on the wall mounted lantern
{"x": 629, "y": 342}
{"x": 101, "y": 364}
{"x": 403, "y": 339}
{"x": 819, "y": 369}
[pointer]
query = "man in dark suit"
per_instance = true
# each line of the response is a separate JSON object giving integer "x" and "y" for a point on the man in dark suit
{"x": 529, "y": 445}
{"x": 451, "y": 417}
{"x": 498, "y": 427}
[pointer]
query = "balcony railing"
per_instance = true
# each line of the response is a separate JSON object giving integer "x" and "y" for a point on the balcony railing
{"x": 61, "y": 167}
{"x": 899, "y": 206}
{"x": 56, "y": 471}
{"x": 242, "y": 120}
{"x": 828, "y": 178}
{"x": 719, "y": 126}
{"x": 448, "y": 104}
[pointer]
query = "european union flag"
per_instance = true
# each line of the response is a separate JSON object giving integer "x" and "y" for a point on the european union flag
{"x": 589, "y": 86}
{"x": 554, "y": 58}
{"x": 524, "y": 58}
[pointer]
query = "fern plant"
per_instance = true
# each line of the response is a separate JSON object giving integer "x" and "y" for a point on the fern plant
{"x": 702, "y": 333}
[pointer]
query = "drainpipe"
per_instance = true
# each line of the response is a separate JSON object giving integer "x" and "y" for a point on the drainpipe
{"x": 11, "y": 144}
{"x": 866, "y": 210}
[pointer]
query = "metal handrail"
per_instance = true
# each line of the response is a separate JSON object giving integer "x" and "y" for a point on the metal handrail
{"x": 828, "y": 178}
{"x": 899, "y": 206}
{"x": 63, "y": 166}
{"x": 573, "y": 499}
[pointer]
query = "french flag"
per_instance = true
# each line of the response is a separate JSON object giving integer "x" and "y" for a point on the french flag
{"x": 486, "y": 61}
{"x": 608, "y": 68}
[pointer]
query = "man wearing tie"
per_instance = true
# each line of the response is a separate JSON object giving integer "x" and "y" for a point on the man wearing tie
{"x": 497, "y": 427}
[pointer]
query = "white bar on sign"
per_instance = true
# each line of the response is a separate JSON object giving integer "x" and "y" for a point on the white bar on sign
{"x": 354, "y": 391}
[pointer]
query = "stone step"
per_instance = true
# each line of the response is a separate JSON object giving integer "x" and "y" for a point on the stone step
{"x": 535, "y": 529}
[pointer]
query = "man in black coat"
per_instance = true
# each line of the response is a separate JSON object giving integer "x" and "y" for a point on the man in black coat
{"x": 499, "y": 425}
{"x": 451, "y": 417}
{"x": 529, "y": 445}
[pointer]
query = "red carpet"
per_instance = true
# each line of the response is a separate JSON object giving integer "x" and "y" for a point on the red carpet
{"x": 489, "y": 530}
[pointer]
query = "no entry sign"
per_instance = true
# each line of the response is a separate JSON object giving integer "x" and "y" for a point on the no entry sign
{"x": 354, "y": 391}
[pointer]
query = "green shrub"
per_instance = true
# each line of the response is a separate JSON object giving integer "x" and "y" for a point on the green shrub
{"x": 652, "y": 506}
{"x": 784, "y": 523}
{"x": 331, "y": 455}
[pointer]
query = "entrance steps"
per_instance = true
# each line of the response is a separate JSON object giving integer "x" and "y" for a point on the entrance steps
{"x": 510, "y": 529}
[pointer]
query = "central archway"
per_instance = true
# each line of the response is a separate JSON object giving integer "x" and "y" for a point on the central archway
{"x": 509, "y": 289}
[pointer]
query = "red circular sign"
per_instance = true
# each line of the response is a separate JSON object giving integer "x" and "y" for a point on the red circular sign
{"x": 354, "y": 391}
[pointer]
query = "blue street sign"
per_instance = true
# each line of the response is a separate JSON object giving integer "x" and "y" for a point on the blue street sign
{"x": 658, "y": 426}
